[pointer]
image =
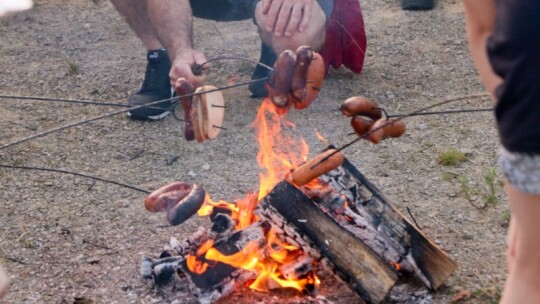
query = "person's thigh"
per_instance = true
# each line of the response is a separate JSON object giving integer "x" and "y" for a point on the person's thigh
{"x": 523, "y": 284}
{"x": 231, "y": 10}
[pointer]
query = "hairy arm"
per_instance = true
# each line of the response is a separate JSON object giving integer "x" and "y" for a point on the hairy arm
{"x": 480, "y": 16}
{"x": 172, "y": 21}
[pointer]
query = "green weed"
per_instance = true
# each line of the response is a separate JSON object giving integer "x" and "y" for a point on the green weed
{"x": 451, "y": 157}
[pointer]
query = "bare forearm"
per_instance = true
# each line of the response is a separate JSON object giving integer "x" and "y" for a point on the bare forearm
{"x": 172, "y": 21}
{"x": 480, "y": 15}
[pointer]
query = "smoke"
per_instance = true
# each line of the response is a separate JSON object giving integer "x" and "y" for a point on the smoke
{"x": 13, "y": 6}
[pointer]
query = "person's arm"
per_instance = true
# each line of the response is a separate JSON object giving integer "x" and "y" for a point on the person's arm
{"x": 172, "y": 21}
{"x": 286, "y": 17}
{"x": 480, "y": 16}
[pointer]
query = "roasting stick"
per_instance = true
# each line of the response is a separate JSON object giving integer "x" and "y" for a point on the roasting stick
{"x": 443, "y": 112}
{"x": 399, "y": 117}
{"x": 44, "y": 133}
{"x": 81, "y": 101}
{"x": 76, "y": 174}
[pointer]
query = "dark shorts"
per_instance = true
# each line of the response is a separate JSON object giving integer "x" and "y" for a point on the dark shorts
{"x": 235, "y": 10}
{"x": 514, "y": 53}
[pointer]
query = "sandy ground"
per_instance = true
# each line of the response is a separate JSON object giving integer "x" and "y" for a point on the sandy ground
{"x": 66, "y": 239}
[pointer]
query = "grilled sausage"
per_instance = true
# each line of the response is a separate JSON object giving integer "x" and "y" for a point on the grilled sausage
{"x": 384, "y": 128}
{"x": 306, "y": 173}
{"x": 280, "y": 79}
{"x": 314, "y": 81}
{"x": 359, "y": 105}
{"x": 304, "y": 55}
{"x": 361, "y": 124}
{"x": 179, "y": 200}
{"x": 183, "y": 87}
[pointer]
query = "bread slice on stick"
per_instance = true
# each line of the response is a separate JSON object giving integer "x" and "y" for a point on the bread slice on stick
{"x": 197, "y": 119}
{"x": 213, "y": 110}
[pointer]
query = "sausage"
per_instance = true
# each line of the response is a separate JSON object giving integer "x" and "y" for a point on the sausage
{"x": 305, "y": 173}
{"x": 180, "y": 200}
{"x": 304, "y": 55}
{"x": 314, "y": 81}
{"x": 183, "y": 87}
{"x": 384, "y": 128}
{"x": 359, "y": 105}
{"x": 361, "y": 124}
{"x": 187, "y": 207}
{"x": 280, "y": 79}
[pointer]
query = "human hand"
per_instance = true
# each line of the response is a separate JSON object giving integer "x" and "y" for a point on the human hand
{"x": 286, "y": 17}
{"x": 182, "y": 67}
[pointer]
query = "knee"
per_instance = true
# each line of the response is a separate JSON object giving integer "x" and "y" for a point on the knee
{"x": 314, "y": 35}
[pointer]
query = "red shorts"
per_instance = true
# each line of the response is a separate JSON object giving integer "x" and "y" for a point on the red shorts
{"x": 346, "y": 40}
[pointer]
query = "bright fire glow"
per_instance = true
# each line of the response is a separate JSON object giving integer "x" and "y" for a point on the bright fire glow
{"x": 279, "y": 152}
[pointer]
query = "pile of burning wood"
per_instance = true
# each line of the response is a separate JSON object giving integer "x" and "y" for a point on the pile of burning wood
{"x": 279, "y": 237}
{"x": 306, "y": 214}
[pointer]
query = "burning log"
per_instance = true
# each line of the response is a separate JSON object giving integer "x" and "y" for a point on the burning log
{"x": 346, "y": 256}
{"x": 348, "y": 212}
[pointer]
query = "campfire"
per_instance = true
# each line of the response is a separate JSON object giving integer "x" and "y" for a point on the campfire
{"x": 279, "y": 236}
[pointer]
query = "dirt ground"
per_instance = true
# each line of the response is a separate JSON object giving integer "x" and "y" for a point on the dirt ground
{"x": 66, "y": 239}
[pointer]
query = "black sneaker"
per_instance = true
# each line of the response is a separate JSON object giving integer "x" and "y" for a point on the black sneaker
{"x": 415, "y": 5}
{"x": 268, "y": 58}
{"x": 155, "y": 86}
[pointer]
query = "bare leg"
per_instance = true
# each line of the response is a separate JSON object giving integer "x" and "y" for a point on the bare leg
{"x": 314, "y": 35}
{"x": 136, "y": 14}
{"x": 4, "y": 283}
{"x": 523, "y": 283}
{"x": 511, "y": 251}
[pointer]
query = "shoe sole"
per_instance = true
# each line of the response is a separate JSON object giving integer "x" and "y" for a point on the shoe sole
{"x": 419, "y": 5}
{"x": 155, "y": 117}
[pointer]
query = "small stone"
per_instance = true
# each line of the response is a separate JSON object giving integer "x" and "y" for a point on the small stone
{"x": 93, "y": 260}
{"x": 467, "y": 236}
{"x": 206, "y": 167}
{"x": 192, "y": 174}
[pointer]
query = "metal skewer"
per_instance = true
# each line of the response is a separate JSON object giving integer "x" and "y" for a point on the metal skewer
{"x": 400, "y": 117}
{"x": 171, "y": 100}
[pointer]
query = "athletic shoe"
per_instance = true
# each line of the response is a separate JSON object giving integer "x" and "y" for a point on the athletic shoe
{"x": 268, "y": 58}
{"x": 155, "y": 86}
{"x": 414, "y": 5}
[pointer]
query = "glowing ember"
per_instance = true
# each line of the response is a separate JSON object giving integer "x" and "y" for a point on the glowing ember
{"x": 279, "y": 152}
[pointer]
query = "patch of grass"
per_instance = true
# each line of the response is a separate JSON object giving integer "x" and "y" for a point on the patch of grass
{"x": 451, "y": 157}
{"x": 73, "y": 69}
{"x": 488, "y": 295}
{"x": 466, "y": 191}
{"x": 428, "y": 145}
{"x": 448, "y": 176}
{"x": 490, "y": 178}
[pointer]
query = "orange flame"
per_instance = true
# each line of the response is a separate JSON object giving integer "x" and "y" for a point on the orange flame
{"x": 279, "y": 152}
